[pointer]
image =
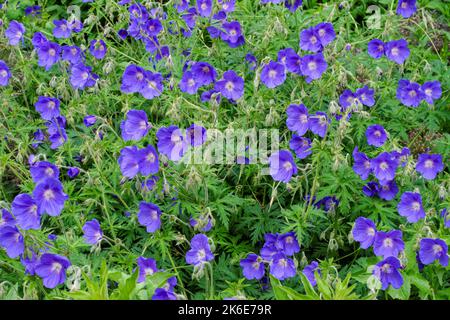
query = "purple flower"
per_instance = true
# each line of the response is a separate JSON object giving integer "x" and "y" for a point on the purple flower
{"x": 30, "y": 263}
{"x": 228, "y": 5}
{"x": 147, "y": 267}
{"x": 5, "y": 74}
{"x": 6, "y": 218}
{"x": 282, "y": 166}
{"x": 181, "y": 5}
{"x": 309, "y": 272}
{"x": 188, "y": 83}
{"x": 133, "y": 79}
{"x": 38, "y": 39}
{"x": 292, "y": 5}
{"x": 309, "y": 40}
{"x": 149, "y": 215}
{"x": 204, "y": 7}
{"x": 251, "y": 59}
{"x": 376, "y": 135}
{"x": 196, "y": 135}
{"x": 252, "y": 267}
{"x": 364, "y": 232}
{"x": 200, "y": 251}
{"x": 388, "y": 191}
{"x": 433, "y": 249}
{"x": 148, "y": 161}
{"x": 410, "y": 206}
{"x": 203, "y": 223}
{"x": 93, "y": 234}
{"x": 409, "y": 93}
{"x": 375, "y": 48}
{"x": 384, "y": 167}
{"x": 431, "y": 91}
{"x": 444, "y": 213}
{"x": 33, "y": 11}
{"x": 163, "y": 294}
{"x": 297, "y": 118}
{"x": 72, "y": 172}
{"x": 281, "y": 267}
{"x": 231, "y": 86}
{"x": 43, "y": 170}
{"x": 273, "y": 74}
{"x": 73, "y": 54}
{"x": 397, "y": 50}
{"x": 371, "y": 189}
{"x": 387, "y": 271}
{"x": 294, "y": 63}
{"x": 15, "y": 32}
{"x": 329, "y": 203}
{"x": 135, "y": 126}
{"x": 129, "y": 161}
{"x": 290, "y": 243}
{"x": 429, "y": 165}
{"x": 171, "y": 142}
{"x": 12, "y": 241}
{"x": 204, "y": 73}
{"x": 347, "y": 99}
{"x": 326, "y": 33}
{"x": 153, "y": 27}
{"x": 98, "y": 49}
{"x": 313, "y": 66}
{"x": 50, "y": 197}
{"x": 75, "y": 25}
{"x": 365, "y": 96}
{"x": 52, "y": 269}
{"x": 232, "y": 34}
{"x": 388, "y": 244}
{"x": 61, "y": 29}
{"x": 122, "y": 33}
{"x": 89, "y": 120}
{"x": 301, "y": 146}
{"x": 361, "y": 164}
{"x": 318, "y": 123}
{"x": 406, "y": 8}
{"x": 82, "y": 76}
{"x": 48, "y": 54}
{"x": 48, "y": 107}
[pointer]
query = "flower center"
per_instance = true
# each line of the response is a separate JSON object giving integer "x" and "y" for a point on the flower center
{"x": 49, "y": 172}
{"x": 303, "y": 118}
{"x": 404, "y": 5}
{"x": 229, "y": 86}
{"x": 377, "y": 133}
{"x": 205, "y": 69}
{"x": 282, "y": 262}
{"x": 321, "y": 32}
{"x": 437, "y": 249}
{"x": 48, "y": 194}
{"x": 313, "y": 40}
{"x": 388, "y": 243}
{"x": 154, "y": 215}
{"x": 429, "y": 164}
{"x": 201, "y": 254}
{"x": 175, "y": 138}
{"x": 150, "y": 157}
{"x": 51, "y": 105}
{"x": 143, "y": 125}
{"x": 367, "y": 164}
{"x": 255, "y": 265}
{"x": 394, "y": 52}
{"x": 85, "y": 75}
{"x": 386, "y": 268}
{"x": 272, "y": 74}
{"x": 152, "y": 84}
{"x": 322, "y": 121}
{"x": 52, "y": 52}
{"x": 312, "y": 66}
{"x": 289, "y": 239}
{"x": 370, "y": 232}
{"x": 56, "y": 267}
{"x": 384, "y": 165}
{"x": 191, "y": 82}
{"x": 204, "y": 6}
{"x": 73, "y": 51}
{"x": 428, "y": 92}
{"x": 233, "y": 32}
{"x": 287, "y": 165}
{"x": 3, "y": 73}
{"x": 148, "y": 271}
{"x": 139, "y": 76}
{"x": 415, "y": 206}
{"x": 412, "y": 93}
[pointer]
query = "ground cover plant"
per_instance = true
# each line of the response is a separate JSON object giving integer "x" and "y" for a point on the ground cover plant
{"x": 104, "y": 104}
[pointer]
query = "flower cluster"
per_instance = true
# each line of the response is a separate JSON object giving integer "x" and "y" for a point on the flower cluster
{"x": 395, "y": 50}
{"x": 411, "y": 94}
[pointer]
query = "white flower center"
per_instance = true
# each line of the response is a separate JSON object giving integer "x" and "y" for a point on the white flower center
{"x": 384, "y": 165}
{"x": 429, "y": 164}
{"x": 272, "y": 73}
{"x": 415, "y": 206}
{"x": 48, "y": 194}
{"x": 56, "y": 267}
{"x": 388, "y": 243}
{"x": 395, "y": 52}
{"x": 229, "y": 86}
{"x": 312, "y": 66}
